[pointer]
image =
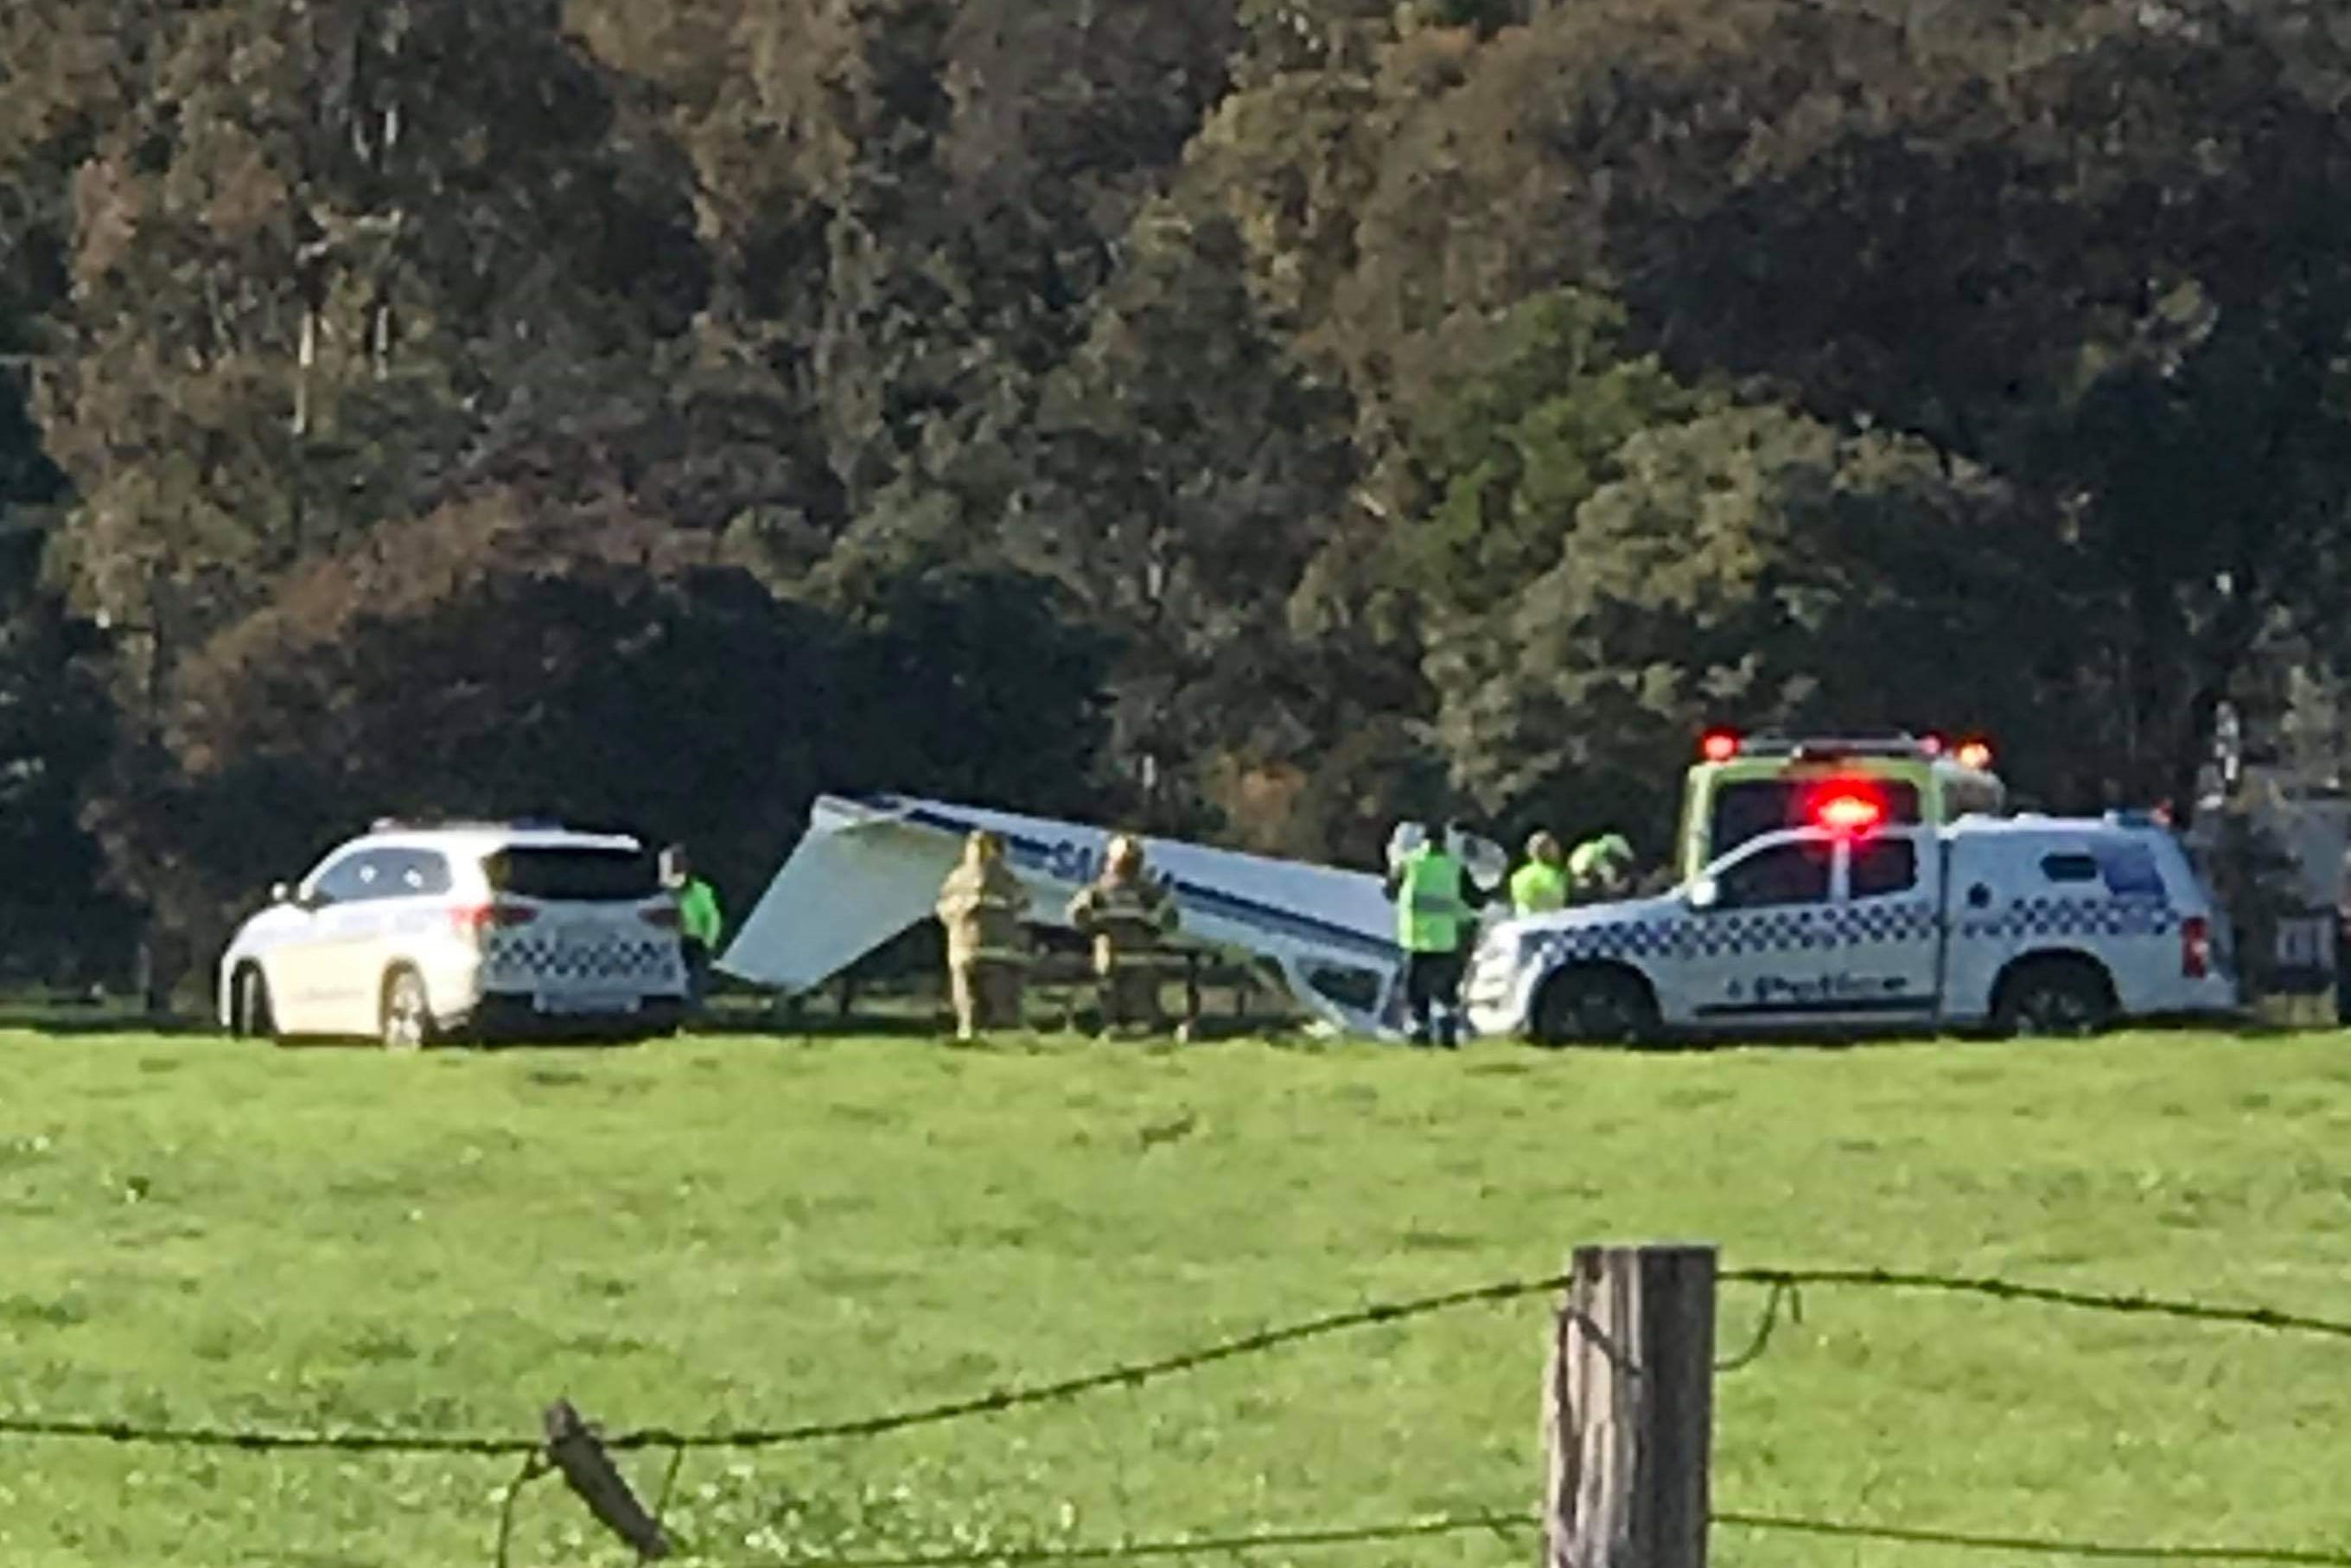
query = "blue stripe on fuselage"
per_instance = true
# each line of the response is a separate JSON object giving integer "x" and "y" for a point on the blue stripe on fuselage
{"x": 1039, "y": 854}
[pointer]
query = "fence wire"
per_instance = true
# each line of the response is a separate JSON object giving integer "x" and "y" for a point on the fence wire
{"x": 2261, "y": 1317}
{"x": 1972, "y": 1540}
{"x": 1784, "y": 1287}
{"x": 1782, "y": 1284}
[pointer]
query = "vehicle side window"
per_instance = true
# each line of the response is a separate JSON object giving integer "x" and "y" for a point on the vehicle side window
{"x": 350, "y": 880}
{"x": 415, "y": 873}
{"x": 1784, "y": 874}
{"x": 2130, "y": 871}
{"x": 1883, "y": 866}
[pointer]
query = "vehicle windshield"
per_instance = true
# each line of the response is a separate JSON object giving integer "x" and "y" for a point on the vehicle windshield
{"x": 1750, "y": 808}
{"x": 573, "y": 873}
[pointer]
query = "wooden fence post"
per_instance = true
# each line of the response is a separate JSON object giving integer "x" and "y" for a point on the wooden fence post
{"x": 1628, "y": 1410}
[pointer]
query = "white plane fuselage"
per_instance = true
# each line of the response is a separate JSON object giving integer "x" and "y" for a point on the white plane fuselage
{"x": 871, "y": 866}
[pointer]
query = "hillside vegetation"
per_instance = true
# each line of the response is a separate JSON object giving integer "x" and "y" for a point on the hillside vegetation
{"x": 1249, "y": 417}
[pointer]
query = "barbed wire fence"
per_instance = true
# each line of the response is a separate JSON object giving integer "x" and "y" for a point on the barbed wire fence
{"x": 581, "y": 1453}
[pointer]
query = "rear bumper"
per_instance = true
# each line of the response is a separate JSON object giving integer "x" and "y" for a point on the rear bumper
{"x": 498, "y": 1017}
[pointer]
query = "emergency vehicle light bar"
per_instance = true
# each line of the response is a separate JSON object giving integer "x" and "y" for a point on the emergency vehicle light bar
{"x": 1830, "y": 747}
{"x": 1722, "y": 745}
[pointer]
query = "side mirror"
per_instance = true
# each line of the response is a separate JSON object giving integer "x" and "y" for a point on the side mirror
{"x": 1704, "y": 893}
{"x": 281, "y": 892}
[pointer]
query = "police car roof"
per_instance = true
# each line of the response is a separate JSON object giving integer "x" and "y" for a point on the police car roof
{"x": 1832, "y": 746}
{"x": 486, "y": 837}
{"x": 2030, "y": 824}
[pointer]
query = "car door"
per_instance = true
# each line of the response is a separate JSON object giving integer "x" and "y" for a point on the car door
{"x": 412, "y": 896}
{"x": 348, "y": 947}
{"x": 1760, "y": 937}
{"x": 300, "y": 965}
{"x": 1889, "y": 925}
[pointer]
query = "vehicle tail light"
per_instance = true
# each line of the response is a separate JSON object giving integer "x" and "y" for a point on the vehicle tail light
{"x": 2195, "y": 947}
{"x": 473, "y": 919}
{"x": 661, "y": 914}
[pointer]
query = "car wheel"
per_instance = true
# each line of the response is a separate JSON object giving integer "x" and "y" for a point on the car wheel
{"x": 407, "y": 1015}
{"x": 2054, "y": 999}
{"x": 1595, "y": 1007}
{"x": 249, "y": 1014}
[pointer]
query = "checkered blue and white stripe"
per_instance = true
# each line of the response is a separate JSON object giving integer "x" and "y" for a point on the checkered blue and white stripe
{"x": 614, "y": 960}
{"x": 1733, "y": 932}
{"x": 1845, "y": 927}
{"x": 2027, "y": 918}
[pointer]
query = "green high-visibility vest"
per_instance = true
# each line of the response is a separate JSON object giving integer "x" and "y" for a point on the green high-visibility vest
{"x": 1429, "y": 911}
{"x": 698, "y": 913}
{"x": 1538, "y": 888}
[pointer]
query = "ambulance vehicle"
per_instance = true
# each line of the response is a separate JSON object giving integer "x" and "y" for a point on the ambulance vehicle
{"x": 1742, "y": 786}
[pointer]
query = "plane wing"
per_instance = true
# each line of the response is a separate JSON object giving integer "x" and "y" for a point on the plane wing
{"x": 869, "y": 866}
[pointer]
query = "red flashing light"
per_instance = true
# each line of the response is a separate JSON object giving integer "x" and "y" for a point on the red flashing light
{"x": 1848, "y": 811}
{"x": 1719, "y": 745}
{"x": 1932, "y": 746}
{"x": 1975, "y": 753}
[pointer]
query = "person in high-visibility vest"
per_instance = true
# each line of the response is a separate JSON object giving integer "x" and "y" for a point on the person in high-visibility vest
{"x": 980, "y": 904}
{"x": 1540, "y": 886}
{"x": 1600, "y": 869}
{"x": 1129, "y": 916}
{"x": 1436, "y": 911}
{"x": 698, "y": 918}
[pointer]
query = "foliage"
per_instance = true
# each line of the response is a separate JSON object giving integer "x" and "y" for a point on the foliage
{"x": 1750, "y": 563}
{"x": 57, "y": 728}
{"x": 481, "y": 663}
{"x": 1187, "y": 471}
{"x": 1261, "y": 416}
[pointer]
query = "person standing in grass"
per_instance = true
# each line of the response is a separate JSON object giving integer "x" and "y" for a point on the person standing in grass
{"x": 1436, "y": 906}
{"x": 980, "y": 904}
{"x": 1129, "y": 917}
{"x": 699, "y": 920}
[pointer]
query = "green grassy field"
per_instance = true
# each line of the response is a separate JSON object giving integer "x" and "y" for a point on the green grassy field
{"x": 721, "y": 1232}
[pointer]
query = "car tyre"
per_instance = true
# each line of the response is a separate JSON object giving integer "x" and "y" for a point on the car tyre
{"x": 1595, "y": 1007}
{"x": 405, "y": 1021}
{"x": 2054, "y": 999}
{"x": 249, "y": 1014}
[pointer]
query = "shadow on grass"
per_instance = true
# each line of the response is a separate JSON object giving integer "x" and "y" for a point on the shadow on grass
{"x": 744, "y": 1019}
{"x": 76, "y": 1021}
{"x": 2247, "y": 1028}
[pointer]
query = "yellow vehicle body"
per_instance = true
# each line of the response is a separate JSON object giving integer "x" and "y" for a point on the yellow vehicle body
{"x": 1748, "y": 787}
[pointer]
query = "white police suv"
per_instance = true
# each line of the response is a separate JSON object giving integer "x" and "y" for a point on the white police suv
{"x": 2024, "y": 924}
{"x": 414, "y": 935}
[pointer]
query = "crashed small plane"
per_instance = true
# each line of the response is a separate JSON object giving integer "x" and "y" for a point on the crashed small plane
{"x": 871, "y": 866}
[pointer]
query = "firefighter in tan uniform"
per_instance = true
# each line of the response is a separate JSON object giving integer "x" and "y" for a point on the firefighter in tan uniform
{"x": 980, "y": 904}
{"x": 1129, "y": 917}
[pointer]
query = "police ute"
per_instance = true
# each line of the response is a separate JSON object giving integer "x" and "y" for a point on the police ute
{"x": 1856, "y": 922}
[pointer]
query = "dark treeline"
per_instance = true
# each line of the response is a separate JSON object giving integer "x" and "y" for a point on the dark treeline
{"x": 1250, "y": 417}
